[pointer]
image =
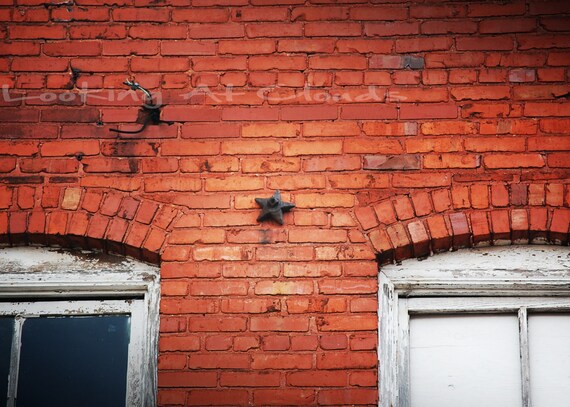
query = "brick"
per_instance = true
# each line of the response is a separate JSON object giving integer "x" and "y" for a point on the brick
{"x": 271, "y": 130}
{"x": 485, "y": 110}
{"x": 51, "y": 166}
{"x": 250, "y": 114}
{"x": 436, "y": 11}
{"x": 481, "y": 93}
{"x": 281, "y": 361}
{"x": 186, "y": 47}
{"x": 434, "y": 77}
{"x": 449, "y": 60}
{"x": 18, "y": 224}
{"x": 263, "y": 63}
{"x": 368, "y": 112}
{"x": 283, "y": 288}
{"x": 331, "y": 164}
{"x": 391, "y": 29}
{"x": 190, "y": 148}
{"x": 559, "y": 160}
{"x": 553, "y": 23}
{"x": 51, "y": 32}
{"x": 554, "y": 194}
{"x": 347, "y": 286}
{"x": 163, "y": 31}
{"x": 274, "y": 30}
{"x": 451, "y": 161}
{"x": 216, "y": 397}
{"x": 80, "y": 14}
{"x": 296, "y": 148}
{"x": 555, "y": 126}
{"x": 448, "y": 127}
{"x": 72, "y": 48}
{"x": 26, "y": 197}
{"x": 440, "y": 144}
{"x": 420, "y": 180}
{"x": 162, "y": 64}
{"x": 256, "y": 14}
{"x": 422, "y": 203}
{"x": 560, "y": 222}
{"x": 428, "y": 111}
{"x": 507, "y": 25}
{"x": 343, "y": 360}
{"x": 249, "y": 47}
{"x": 483, "y": 144}
{"x": 216, "y": 31}
{"x": 39, "y": 64}
{"x": 367, "y": 217}
{"x": 215, "y": 324}
{"x": 337, "y": 62}
{"x": 348, "y": 397}
{"x": 500, "y": 225}
{"x": 484, "y": 43}
{"x": 341, "y": 29}
{"x": 513, "y": 161}
{"x": 37, "y": 221}
{"x": 547, "y": 109}
{"x": 250, "y": 379}
{"x": 284, "y": 397}
{"x": 440, "y": 234}
{"x": 449, "y": 27}
{"x": 363, "y": 379}
{"x": 500, "y": 195}
{"x": 385, "y": 212}
{"x": 308, "y": 46}
{"x": 460, "y": 197}
{"x": 198, "y": 15}
{"x": 246, "y": 147}
{"x": 20, "y": 48}
{"x": 423, "y": 44}
{"x": 314, "y": 379}
{"x": 69, "y": 148}
{"x": 172, "y": 184}
{"x": 377, "y": 146}
{"x": 400, "y": 241}
{"x": 279, "y": 324}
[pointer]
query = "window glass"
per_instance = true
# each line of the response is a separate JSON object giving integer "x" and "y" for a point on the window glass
{"x": 465, "y": 360}
{"x": 549, "y": 354}
{"x": 6, "y": 333}
{"x": 74, "y": 361}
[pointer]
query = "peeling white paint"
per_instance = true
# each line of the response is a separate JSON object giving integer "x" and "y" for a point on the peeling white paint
{"x": 45, "y": 259}
{"x": 77, "y": 275}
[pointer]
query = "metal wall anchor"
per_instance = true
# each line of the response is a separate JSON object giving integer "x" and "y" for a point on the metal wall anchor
{"x": 149, "y": 113}
{"x": 273, "y": 208}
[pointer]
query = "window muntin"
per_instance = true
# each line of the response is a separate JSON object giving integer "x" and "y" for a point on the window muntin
{"x": 472, "y": 351}
{"x": 34, "y": 280}
{"x": 70, "y": 353}
{"x": 486, "y": 280}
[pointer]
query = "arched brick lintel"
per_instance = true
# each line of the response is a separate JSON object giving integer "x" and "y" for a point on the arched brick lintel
{"x": 107, "y": 220}
{"x": 407, "y": 226}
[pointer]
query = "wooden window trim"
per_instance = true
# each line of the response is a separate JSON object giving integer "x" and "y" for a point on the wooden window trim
{"x": 74, "y": 277}
{"x": 509, "y": 272}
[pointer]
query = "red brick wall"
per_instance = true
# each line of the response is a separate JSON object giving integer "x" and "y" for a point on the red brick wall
{"x": 397, "y": 129}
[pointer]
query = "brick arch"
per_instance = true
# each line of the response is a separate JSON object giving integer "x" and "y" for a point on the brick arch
{"x": 91, "y": 218}
{"x": 420, "y": 223}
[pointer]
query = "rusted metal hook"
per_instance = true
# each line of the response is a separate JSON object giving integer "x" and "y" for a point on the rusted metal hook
{"x": 149, "y": 113}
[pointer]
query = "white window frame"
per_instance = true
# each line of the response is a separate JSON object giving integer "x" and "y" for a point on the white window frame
{"x": 47, "y": 281}
{"x": 492, "y": 279}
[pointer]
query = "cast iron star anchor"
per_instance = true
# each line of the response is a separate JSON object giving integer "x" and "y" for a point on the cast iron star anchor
{"x": 273, "y": 208}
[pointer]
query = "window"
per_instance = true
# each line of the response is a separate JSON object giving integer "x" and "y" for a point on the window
{"x": 478, "y": 327}
{"x": 77, "y": 329}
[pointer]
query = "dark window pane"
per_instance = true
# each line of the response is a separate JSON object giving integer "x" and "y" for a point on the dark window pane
{"x": 6, "y": 332}
{"x": 74, "y": 361}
